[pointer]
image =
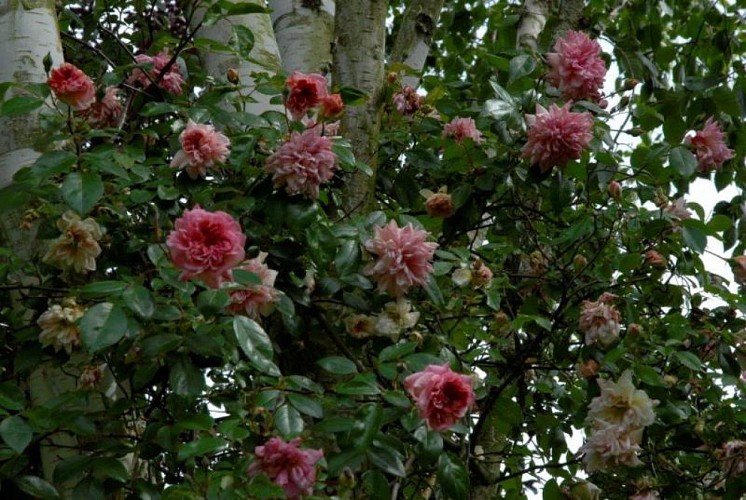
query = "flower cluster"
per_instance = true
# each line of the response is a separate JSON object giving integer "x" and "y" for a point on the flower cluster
{"x": 599, "y": 320}
{"x": 303, "y": 163}
{"x": 403, "y": 258}
{"x": 201, "y": 148}
{"x": 77, "y": 248}
{"x": 107, "y": 111}
{"x": 677, "y": 210}
{"x": 732, "y": 457}
{"x": 617, "y": 418}
{"x": 305, "y": 92}
{"x": 441, "y": 395}
{"x": 254, "y": 300}
{"x": 395, "y": 318}
{"x": 72, "y": 86}
{"x": 287, "y": 465}
{"x": 576, "y": 67}
{"x": 557, "y": 136}
{"x": 169, "y": 80}
{"x": 59, "y": 327}
{"x": 206, "y": 245}
{"x": 461, "y": 129}
{"x": 709, "y": 147}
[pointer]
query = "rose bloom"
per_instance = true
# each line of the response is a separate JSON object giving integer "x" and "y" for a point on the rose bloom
{"x": 403, "y": 258}
{"x": 678, "y": 209}
{"x": 610, "y": 446}
{"x": 254, "y": 300}
{"x": 441, "y": 395}
{"x": 106, "y": 113}
{"x": 709, "y": 147}
{"x": 440, "y": 204}
{"x": 600, "y": 320}
{"x": 73, "y": 87}
{"x": 732, "y": 457}
{"x": 287, "y": 465}
{"x": 461, "y": 129}
{"x": 395, "y": 318}
{"x": 59, "y": 327}
{"x": 170, "y": 81}
{"x": 302, "y": 163}
{"x": 739, "y": 269}
{"x": 621, "y": 403}
{"x": 482, "y": 275}
{"x": 655, "y": 259}
{"x": 407, "y": 101}
{"x": 361, "y": 326}
{"x": 557, "y": 136}
{"x": 92, "y": 376}
{"x": 201, "y": 148}
{"x": 206, "y": 245}
{"x": 585, "y": 491}
{"x": 77, "y": 248}
{"x": 331, "y": 106}
{"x": 304, "y": 93}
{"x": 615, "y": 190}
{"x": 576, "y": 67}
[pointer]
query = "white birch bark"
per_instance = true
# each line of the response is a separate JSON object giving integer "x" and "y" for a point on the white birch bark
{"x": 412, "y": 42}
{"x": 360, "y": 28}
{"x": 304, "y": 30}
{"x": 533, "y": 20}
{"x": 28, "y": 32}
{"x": 265, "y": 54}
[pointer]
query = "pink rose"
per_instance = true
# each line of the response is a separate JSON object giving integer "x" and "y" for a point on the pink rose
{"x": 615, "y": 190}
{"x": 201, "y": 148}
{"x": 304, "y": 93}
{"x": 206, "y": 245}
{"x": 170, "y": 81}
{"x": 709, "y": 147}
{"x": 600, "y": 321}
{"x": 655, "y": 259}
{"x": 72, "y": 86}
{"x": 331, "y": 106}
{"x": 403, "y": 258}
{"x": 576, "y": 67}
{"x": 288, "y": 466}
{"x": 442, "y": 396}
{"x": 106, "y": 113}
{"x": 557, "y": 136}
{"x": 254, "y": 300}
{"x": 302, "y": 163}
{"x": 461, "y": 129}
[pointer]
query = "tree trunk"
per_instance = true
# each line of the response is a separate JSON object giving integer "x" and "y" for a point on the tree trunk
{"x": 412, "y": 43}
{"x": 304, "y": 30}
{"x": 360, "y": 27}
{"x": 265, "y": 55}
{"x": 533, "y": 20}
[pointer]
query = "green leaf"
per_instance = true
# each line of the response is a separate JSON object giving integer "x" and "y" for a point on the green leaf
{"x": 102, "y": 326}
{"x": 102, "y": 288}
{"x": 369, "y": 419}
{"x": 243, "y": 277}
{"x": 305, "y": 405}
{"x": 430, "y": 443}
{"x": 255, "y": 343}
{"x": 243, "y": 39}
{"x": 138, "y": 299}
{"x": 240, "y": 8}
{"x": 160, "y": 344}
{"x": 158, "y": 108}
{"x": 719, "y": 223}
{"x": 213, "y": 301}
{"x": 82, "y": 191}
{"x": 71, "y": 467}
{"x": 288, "y": 421}
{"x": 11, "y": 396}
{"x": 694, "y": 237}
{"x": 186, "y": 379}
{"x": 520, "y": 66}
{"x": 387, "y": 460}
{"x": 110, "y": 468}
{"x": 683, "y": 161}
{"x": 689, "y": 359}
{"x": 348, "y": 256}
{"x": 16, "y": 433}
{"x": 338, "y": 365}
{"x": 453, "y": 477}
{"x": 200, "y": 447}
{"x": 552, "y": 491}
{"x": 433, "y": 292}
{"x": 363, "y": 384}
{"x": 396, "y": 351}
{"x": 352, "y": 96}
{"x": 20, "y": 105}
{"x": 36, "y": 487}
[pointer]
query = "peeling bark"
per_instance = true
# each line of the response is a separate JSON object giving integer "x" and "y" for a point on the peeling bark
{"x": 304, "y": 32}
{"x": 570, "y": 15}
{"x": 533, "y": 20}
{"x": 265, "y": 53}
{"x": 412, "y": 42}
{"x": 360, "y": 27}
